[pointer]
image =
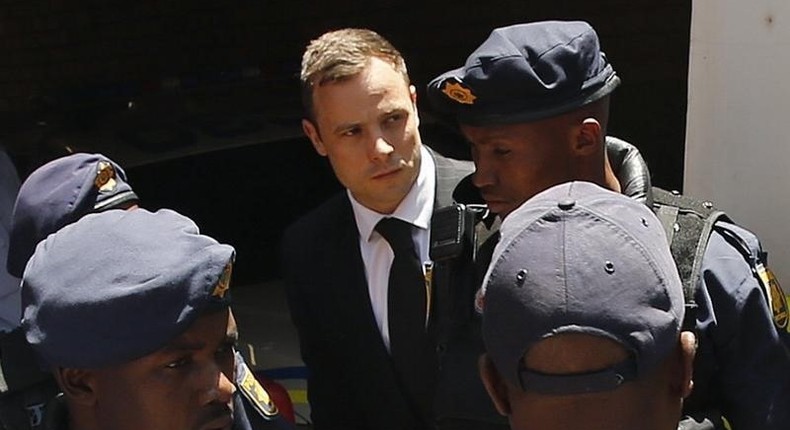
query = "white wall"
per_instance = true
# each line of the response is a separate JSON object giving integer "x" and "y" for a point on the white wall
{"x": 738, "y": 130}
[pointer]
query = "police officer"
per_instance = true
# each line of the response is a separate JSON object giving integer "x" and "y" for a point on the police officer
{"x": 585, "y": 331}
{"x": 55, "y": 195}
{"x": 533, "y": 101}
{"x": 137, "y": 330}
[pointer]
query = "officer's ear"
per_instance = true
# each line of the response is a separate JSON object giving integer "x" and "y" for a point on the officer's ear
{"x": 311, "y": 130}
{"x": 495, "y": 385}
{"x": 77, "y": 385}
{"x": 588, "y": 138}
{"x": 684, "y": 371}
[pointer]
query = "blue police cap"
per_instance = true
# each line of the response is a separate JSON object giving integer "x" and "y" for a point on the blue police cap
{"x": 59, "y": 193}
{"x": 119, "y": 285}
{"x": 580, "y": 259}
{"x": 524, "y": 73}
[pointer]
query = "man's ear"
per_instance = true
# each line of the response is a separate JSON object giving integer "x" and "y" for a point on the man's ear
{"x": 588, "y": 139}
{"x": 311, "y": 130}
{"x": 496, "y": 387}
{"x": 413, "y": 95}
{"x": 684, "y": 372}
{"x": 78, "y": 385}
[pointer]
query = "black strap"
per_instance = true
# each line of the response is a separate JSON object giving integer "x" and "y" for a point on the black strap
{"x": 688, "y": 224}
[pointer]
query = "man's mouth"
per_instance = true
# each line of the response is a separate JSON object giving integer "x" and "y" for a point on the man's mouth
{"x": 493, "y": 200}
{"x": 386, "y": 173}
{"x": 497, "y": 205}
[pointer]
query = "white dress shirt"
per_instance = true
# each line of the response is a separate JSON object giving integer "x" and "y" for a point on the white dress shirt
{"x": 416, "y": 208}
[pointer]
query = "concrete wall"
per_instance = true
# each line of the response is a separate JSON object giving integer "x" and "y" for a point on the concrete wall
{"x": 737, "y": 148}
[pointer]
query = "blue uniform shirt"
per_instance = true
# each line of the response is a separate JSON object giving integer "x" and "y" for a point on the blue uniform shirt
{"x": 742, "y": 358}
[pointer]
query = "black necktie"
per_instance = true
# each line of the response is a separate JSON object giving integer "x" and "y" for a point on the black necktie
{"x": 406, "y": 292}
{"x": 411, "y": 347}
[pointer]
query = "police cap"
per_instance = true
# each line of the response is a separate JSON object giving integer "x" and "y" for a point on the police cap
{"x": 59, "y": 193}
{"x": 119, "y": 285}
{"x": 524, "y": 73}
{"x": 603, "y": 268}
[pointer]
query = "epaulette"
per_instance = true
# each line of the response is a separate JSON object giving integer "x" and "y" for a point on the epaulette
{"x": 254, "y": 392}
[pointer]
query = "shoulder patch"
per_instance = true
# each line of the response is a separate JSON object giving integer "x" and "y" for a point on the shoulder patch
{"x": 254, "y": 392}
{"x": 776, "y": 297}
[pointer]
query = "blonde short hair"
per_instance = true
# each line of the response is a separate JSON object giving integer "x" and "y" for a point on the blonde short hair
{"x": 341, "y": 54}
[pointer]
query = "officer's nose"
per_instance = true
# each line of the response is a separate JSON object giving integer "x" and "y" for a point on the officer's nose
{"x": 484, "y": 175}
{"x": 219, "y": 387}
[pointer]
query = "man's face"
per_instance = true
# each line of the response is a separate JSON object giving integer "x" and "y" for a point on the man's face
{"x": 367, "y": 126}
{"x": 187, "y": 385}
{"x": 515, "y": 162}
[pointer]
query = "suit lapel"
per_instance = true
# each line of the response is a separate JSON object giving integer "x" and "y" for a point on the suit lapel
{"x": 351, "y": 273}
{"x": 449, "y": 173}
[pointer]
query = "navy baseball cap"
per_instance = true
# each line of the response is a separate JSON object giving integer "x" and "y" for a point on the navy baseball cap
{"x": 602, "y": 268}
{"x": 525, "y": 73}
{"x": 59, "y": 193}
{"x": 119, "y": 285}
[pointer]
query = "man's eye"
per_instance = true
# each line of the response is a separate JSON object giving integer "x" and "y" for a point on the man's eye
{"x": 394, "y": 118}
{"x": 501, "y": 151}
{"x": 350, "y": 132}
{"x": 177, "y": 364}
{"x": 228, "y": 348}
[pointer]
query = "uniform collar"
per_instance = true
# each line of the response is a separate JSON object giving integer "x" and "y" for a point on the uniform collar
{"x": 56, "y": 414}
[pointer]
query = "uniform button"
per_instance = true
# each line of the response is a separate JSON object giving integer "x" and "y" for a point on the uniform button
{"x": 566, "y": 204}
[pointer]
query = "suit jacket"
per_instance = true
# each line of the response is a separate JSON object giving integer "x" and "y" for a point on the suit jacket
{"x": 351, "y": 382}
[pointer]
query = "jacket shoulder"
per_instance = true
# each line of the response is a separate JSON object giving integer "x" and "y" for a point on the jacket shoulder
{"x": 319, "y": 221}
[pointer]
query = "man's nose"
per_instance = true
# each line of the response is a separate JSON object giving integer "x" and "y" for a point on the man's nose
{"x": 484, "y": 175}
{"x": 219, "y": 387}
{"x": 380, "y": 148}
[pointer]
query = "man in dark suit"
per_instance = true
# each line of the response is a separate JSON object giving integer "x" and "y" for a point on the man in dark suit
{"x": 366, "y": 331}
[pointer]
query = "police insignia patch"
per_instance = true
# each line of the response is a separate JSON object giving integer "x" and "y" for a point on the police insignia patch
{"x": 105, "y": 177}
{"x": 224, "y": 282}
{"x": 458, "y": 92}
{"x": 776, "y": 297}
{"x": 255, "y": 393}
